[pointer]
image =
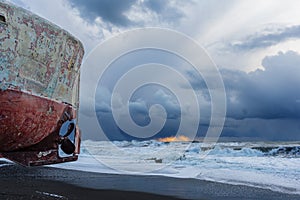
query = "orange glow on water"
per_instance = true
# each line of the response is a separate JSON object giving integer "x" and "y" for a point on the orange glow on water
{"x": 180, "y": 138}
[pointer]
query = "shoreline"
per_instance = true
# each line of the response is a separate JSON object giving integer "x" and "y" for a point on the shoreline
{"x": 17, "y": 182}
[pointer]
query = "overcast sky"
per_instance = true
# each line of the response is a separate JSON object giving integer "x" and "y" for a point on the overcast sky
{"x": 255, "y": 44}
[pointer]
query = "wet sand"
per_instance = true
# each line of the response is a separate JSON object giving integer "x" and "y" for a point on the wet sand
{"x": 17, "y": 182}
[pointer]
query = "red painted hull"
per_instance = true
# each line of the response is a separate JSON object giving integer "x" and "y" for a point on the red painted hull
{"x": 29, "y": 128}
{"x": 27, "y": 119}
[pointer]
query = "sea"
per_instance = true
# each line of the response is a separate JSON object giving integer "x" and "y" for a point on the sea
{"x": 268, "y": 165}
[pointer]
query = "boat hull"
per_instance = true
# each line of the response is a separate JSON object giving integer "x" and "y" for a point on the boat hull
{"x": 27, "y": 119}
{"x": 39, "y": 89}
{"x": 30, "y": 128}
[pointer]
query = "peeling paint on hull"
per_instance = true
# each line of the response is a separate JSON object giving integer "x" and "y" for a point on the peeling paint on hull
{"x": 39, "y": 82}
{"x": 26, "y": 119}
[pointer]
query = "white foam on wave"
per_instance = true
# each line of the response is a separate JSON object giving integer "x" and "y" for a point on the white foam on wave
{"x": 5, "y": 162}
{"x": 244, "y": 152}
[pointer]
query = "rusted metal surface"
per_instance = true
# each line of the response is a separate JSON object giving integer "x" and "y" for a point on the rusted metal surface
{"x": 27, "y": 119}
{"x": 39, "y": 82}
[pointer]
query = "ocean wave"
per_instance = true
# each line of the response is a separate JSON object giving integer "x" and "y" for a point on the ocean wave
{"x": 290, "y": 151}
{"x": 230, "y": 149}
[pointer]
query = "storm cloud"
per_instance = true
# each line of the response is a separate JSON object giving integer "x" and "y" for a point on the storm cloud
{"x": 140, "y": 106}
{"x": 262, "y": 104}
{"x": 272, "y": 93}
{"x": 268, "y": 94}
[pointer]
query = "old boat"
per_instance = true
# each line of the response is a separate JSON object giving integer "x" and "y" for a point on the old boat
{"x": 39, "y": 83}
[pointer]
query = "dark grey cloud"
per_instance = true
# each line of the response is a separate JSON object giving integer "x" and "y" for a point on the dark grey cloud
{"x": 139, "y": 107}
{"x": 109, "y": 10}
{"x": 104, "y": 105}
{"x": 270, "y": 94}
{"x": 264, "y": 104}
{"x": 271, "y": 38}
{"x": 262, "y": 129}
{"x": 169, "y": 102}
{"x": 139, "y": 111}
{"x": 113, "y": 11}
